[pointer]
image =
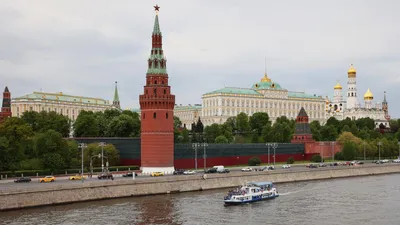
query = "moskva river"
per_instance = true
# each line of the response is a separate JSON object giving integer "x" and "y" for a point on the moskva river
{"x": 363, "y": 200}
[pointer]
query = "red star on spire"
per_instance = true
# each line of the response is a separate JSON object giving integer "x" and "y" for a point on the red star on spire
{"x": 156, "y": 8}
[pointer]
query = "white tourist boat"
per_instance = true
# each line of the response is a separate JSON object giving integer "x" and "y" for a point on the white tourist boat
{"x": 251, "y": 192}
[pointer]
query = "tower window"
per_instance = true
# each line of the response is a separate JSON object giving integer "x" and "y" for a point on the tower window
{"x": 154, "y": 115}
{"x": 144, "y": 115}
{"x": 162, "y": 82}
{"x": 165, "y": 91}
{"x": 166, "y": 115}
{"x": 155, "y": 82}
{"x": 146, "y": 92}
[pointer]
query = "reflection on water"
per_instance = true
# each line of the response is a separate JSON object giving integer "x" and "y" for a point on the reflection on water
{"x": 364, "y": 200}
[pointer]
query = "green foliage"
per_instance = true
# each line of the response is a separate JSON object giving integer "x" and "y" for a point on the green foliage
{"x": 111, "y": 154}
{"x": 43, "y": 121}
{"x": 349, "y": 150}
{"x": 221, "y": 139}
{"x": 339, "y": 156}
{"x": 177, "y": 122}
{"x": 290, "y": 160}
{"x": 254, "y": 161}
{"x": 242, "y": 123}
{"x": 31, "y": 164}
{"x": 316, "y": 158}
{"x": 258, "y": 120}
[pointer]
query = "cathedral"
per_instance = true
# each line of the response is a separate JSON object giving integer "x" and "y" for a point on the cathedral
{"x": 341, "y": 108}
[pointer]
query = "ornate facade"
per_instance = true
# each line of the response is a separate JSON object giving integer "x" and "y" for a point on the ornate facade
{"x": 6, "y": 105}
{"x": 188, "y": 114}
{"x": 351, "y": 108}
{"x": 264, "y": 96}
{"x": 157, "y": 111}
{"x": 68, "y": 105}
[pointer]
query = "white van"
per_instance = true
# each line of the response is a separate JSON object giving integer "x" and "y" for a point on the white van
{"x": 220, "y": 169}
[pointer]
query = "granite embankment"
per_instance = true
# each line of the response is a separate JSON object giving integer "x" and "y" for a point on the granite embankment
{"x": 22, "y": 198}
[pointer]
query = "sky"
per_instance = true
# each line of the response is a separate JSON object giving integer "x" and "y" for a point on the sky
{"x": 83, "y": 47}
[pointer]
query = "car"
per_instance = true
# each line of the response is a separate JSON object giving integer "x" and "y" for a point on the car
{"x": 130, "y": 174}
{"x": 47, "y": 179}
{"x": 396, "y": 161}
{"x": 22, "y": 179}
{"x": 285, "y": 166}
{"x": 156, "y": 174}
{"x": 179, "y": 172}
{"x": 247, "y": 169}
{"x": 378, "y": 162}
{"x": 76, "y": 177}
{"x": 322, "y": 165}
{"x": 224, "y": 171}
{"x": 385, "y": 161}
{"x": 312, "y": 165}
{"x": 211, "y": 170}
{"x": 334, "y": 164}
{"x": 105, "y": 176}
{"x": 189, "y": 172}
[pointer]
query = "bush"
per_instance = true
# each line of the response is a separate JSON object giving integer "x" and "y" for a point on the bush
{"x": 349, "y": 150}
{"x": 31, "y": 164}
{"x": 254, "y": 161}
{"x": 290, "y": 160}
{"x": 316, "y": 158}
{"x": 339, "y": 156}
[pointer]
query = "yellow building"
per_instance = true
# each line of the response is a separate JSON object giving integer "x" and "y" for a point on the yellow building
{"x": 188, "y": 114}
{"x": 264, "y": 96}
{"x": 68, "y": 105}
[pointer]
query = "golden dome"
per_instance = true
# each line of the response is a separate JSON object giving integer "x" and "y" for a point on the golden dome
{"x": 352, "y": 71}
{"x": 338, "y": 86}
{"x": 368, "y": 95}
{"x": 265, "y": 78}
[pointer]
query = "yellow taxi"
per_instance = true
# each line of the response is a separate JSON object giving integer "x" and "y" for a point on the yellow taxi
{"x": 77, "y": 177}
{"x": 156, "y": 174}
{"x": 47, "y": 179}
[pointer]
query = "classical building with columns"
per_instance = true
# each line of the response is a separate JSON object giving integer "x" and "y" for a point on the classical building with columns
{"x": 188, "y": 114}
{"x": 350, "y": 107}
{"x": 59, "y": 102}
{"x": 264, "y": 96}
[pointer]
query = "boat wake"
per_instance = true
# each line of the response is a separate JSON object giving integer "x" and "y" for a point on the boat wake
{"x": 295, "y": 192}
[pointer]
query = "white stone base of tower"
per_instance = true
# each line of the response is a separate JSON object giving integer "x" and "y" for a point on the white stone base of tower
{"x": 149, "y": 170}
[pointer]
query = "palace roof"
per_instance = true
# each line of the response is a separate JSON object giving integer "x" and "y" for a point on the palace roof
{"x": 61, "y": 97}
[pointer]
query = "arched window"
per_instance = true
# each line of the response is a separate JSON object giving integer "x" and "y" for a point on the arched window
{"x": 155, "y": 82}
{"x": 144, "y": 116}
{"x": 162, "y": 82}
{"x": 146, "y": 92}
{"x": 154, "y": 115}
{"x": 165, "y": 91}
{"x": 166, "y": 115}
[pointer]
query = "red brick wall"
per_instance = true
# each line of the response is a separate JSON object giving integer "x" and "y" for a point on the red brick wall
{"x": 325, "y": 150}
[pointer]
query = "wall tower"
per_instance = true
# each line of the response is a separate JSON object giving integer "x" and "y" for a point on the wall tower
{"x": 157, "y": 111}
{"x": 6, "y": 106}
{"x": 351, "y": 88}
{"x": 385, "y": 107}
{"x": 116, "y": 102}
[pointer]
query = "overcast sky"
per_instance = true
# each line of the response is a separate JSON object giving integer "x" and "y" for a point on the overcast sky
{"x": 81, "y": 47}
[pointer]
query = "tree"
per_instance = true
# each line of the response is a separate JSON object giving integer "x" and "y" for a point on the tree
{"x": 346, "y": 128}
{"x": 227, "y": 132}
{"x": 111, "y": 155}
{"x": 231, "y": 121}
{"x": 211, "y": 132}
{"x": 258, "y": 120}
{"x": 53, "y": 162}
{"x": 43, "y": 121}
{"x": 348, "y": 137}
{"x": 123, "y": 126}
{"x": 315, "y": 127}
{"x": 332, "y": 121}
{"x": 242, "y": 122}
{"x": 394, "y": 125}
{"x": 328, "y": 133}
{"x": 185, "y": 136}
{"x": 221, "y": 139}
{"x": 177, "y": 122}
{"x": 349, "y": 150}
{"x": 86, "y": 125}
{"x": 254, "y": 161}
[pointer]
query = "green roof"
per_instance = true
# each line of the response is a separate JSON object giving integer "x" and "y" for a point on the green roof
{"x": 233, "y": 90}
{"x": 267, "y": 85}
{"x": 293, "y": 94}
{"x": 186, "y": 107}
{"x": 62, "y": 98}
{"x": 156, "y": 29}
{"x": 116, "y": 97}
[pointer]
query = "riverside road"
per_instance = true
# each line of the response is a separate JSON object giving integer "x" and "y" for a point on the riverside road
{"x": 9, "y": 185}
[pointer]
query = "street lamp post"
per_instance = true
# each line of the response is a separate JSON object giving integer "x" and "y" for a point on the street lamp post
{"x": 102, "y": 144}
{"x": 268, "y": 144}
{"x": 205, "y": 155}
{"x": 321, "y": 151}
{"x": 91, "y": 162}
{"x": 195, "y": 145}
{"x": 399, "y": 148}
{"x": 364, "y": 150}
{"x": 333, "y": 150}
{"x": 82, "y": 146}
{"x": 274, "y": 146}
{"x": 379, "y": 146}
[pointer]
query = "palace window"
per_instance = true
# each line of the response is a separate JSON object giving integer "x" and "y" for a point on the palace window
{"x": 154, "y": 115}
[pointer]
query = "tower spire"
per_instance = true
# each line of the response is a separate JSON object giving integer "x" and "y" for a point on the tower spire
{"x": 156, "y": 29}
{"x": 116, "y": 102}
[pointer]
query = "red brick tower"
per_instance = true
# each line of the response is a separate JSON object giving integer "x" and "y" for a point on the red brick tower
{"x": 157, "y": 111}
{"x": 6, "y": 106}
{"x": 302, "y": 134}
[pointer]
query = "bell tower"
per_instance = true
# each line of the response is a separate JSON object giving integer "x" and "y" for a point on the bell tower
{"x": 157, "y": 111}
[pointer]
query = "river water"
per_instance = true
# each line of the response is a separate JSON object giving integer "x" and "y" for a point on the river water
{"x": 362, "y": 200}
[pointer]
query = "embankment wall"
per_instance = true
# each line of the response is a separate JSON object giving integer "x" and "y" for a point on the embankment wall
{"x": 78, "y": 192}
